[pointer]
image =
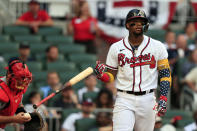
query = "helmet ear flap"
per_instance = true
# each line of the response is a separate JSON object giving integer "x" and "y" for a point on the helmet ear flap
{"x": 145, "y": 27}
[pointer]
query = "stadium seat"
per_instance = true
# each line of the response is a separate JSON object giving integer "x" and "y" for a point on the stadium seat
{"x": 38, "y": 48}
{"x": 7, "y": 56}
{"x": 34, "y": 66}
{"x": 2, "y": 68}
{"x": 172, "y": 113}
{"x": 39, "y": 76}
{"x": 61, "y": 66}
{"x": 182, "y": 123}
{"x": 90, "y": 95}
{"x": 67, "y": 75}
{"x": 157, "y": 34}
{"x": 42, "y": 56}
{"x": 8, "y": 48}
{"x": 13, "y": 30}
{"x": 52, "y": 101}
{"x": 8, "y": 42}
{"x": 58, "y": 39}
{"x": 67, "y": 112}
{"x": 27, "y": 38}
{"x": 85, "y": 124}
{"x": 82, "y": 58}
{"x": 50, "y": 31}
{"x": 10, "y": 128}
{"x": 83, "y": 66}
{"x": 71, "y": 49}
{"x": 4, "y": 38}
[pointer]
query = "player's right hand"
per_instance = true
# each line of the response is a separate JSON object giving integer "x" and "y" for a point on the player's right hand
{"x": 99, "y": 69}
{"x": 20, "y": 118}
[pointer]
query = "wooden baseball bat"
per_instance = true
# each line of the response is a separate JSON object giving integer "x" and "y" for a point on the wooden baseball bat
{"x": 71, "y": 82}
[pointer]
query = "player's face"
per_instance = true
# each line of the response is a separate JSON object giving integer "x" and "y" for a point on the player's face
{"x": 135, "y": 26}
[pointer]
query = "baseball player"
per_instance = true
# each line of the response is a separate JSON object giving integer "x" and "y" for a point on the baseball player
{"x": 12, "y": 88}
{"x": 136, "y": 61}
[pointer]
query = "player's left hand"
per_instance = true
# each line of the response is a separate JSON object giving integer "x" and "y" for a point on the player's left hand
{"x": 162, "y": 106}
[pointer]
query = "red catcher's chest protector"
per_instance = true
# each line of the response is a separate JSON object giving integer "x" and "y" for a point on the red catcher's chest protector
{"x": 13, "y": 98}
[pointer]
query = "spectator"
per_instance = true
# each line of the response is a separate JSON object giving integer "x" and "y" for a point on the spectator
{"x": 191, "y": 80}
{"x": 170, "y": 37}
{"x": 103, "y": 122}
{"x": 171, "y": 47}
{"x": 34, "y": 17}
{"x": 34, "y": 98}
{"x": 158, "y": 123}
{"x": 104, "y": 99}
{"x": 189, "y": 63}
{"x": 90, "y": 86}
{"x": 181, "y": 44}
{"x": 192, "y": 126}
{"x": 24, "y": 52}
{"x": 54, "y": 84}
{"x": 52, "y": 54}
{"x": 67, "y": 100}
{"x": 190, "y": 32}
{"x": 69, "y": 122}
{"x": 111, "y": 87}
{"x": 84, "y": 28}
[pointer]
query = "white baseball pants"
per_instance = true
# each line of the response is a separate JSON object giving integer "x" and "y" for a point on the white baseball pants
{"x": 134, "y": 112}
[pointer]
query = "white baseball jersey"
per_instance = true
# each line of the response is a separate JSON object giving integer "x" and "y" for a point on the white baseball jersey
{"x": 137, "y": 71}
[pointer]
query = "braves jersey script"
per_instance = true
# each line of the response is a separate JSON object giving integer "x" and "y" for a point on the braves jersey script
{"x": 137, "y": 70}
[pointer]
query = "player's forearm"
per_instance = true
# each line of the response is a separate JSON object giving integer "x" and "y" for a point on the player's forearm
{"x": 7, "y": 119}
{"x": 47, "y": 23}
{"x": 165, "y": 77}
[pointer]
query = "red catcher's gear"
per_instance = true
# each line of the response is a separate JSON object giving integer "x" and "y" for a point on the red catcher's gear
{"x": 15, "y": 98}
{"x": 18, "y": 76}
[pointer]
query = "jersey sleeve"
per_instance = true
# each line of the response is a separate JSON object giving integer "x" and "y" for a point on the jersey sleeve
{"x": 23, "y": 17}
{"x": 163, "y": 54}
{"x": 45, "y": 16}
{"x": 112, "y": 58}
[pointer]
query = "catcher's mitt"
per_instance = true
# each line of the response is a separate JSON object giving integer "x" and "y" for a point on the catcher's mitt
{"x": 35, "y": 124}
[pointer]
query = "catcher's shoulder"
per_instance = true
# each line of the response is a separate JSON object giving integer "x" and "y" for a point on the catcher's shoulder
{"x": 3, "y": 96}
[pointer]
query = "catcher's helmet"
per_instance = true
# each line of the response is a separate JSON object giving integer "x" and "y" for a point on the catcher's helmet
{"x": 136, "y": 13}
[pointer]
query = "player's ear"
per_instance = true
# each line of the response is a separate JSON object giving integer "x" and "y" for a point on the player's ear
{"x": 127, "y": 25}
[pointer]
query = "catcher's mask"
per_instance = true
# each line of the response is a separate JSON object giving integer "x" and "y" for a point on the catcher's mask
{"x": 136, "y": 13}
{"x": 18, "y": 75}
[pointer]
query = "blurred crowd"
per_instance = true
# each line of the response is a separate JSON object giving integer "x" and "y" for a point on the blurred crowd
{"x": 181, "y": 47}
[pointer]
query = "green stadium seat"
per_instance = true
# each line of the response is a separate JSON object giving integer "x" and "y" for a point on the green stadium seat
{"x": 9, "y": 128}
{"x": 2, "y": 68}
{"x": 82, "y": 58}
{"x": 61, "y": 66}
{"x": 34, "y": 66}
{"x": 38, "y": 48}
{"x": 85, "y": 124}
{"x": 71, "y": 49}
{"x": 67, "y": 75}
{"x": 83, "y": 66}
{"x": 90, "y": 95}
{"x": 27, "y": 38}
{"x": 40, "y": 84}
{"x": 8, "y": 48}
{"x": 39, "y": 76}
{"x": 16, "y": 30}
{"x": 50, "y": 31}
{"x": 7, "y": 56}
{"x": 51, "y": 102}
{"x": 172, "y": 113}
{"x": 42, "y": 56}
{"x": 182, "y": 123}
{"x": 8, "y": 42}
{"x": 58, "y": 39}
{"x": 157, "y": 34}
{"x": 4, "y": 38}
{"x": 67, "y": 112}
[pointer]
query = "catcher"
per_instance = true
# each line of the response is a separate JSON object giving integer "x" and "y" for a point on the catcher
{"x": 12, "y": 88}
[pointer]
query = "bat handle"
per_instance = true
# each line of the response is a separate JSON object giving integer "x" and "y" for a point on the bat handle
{"x": 35, "y": 106}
